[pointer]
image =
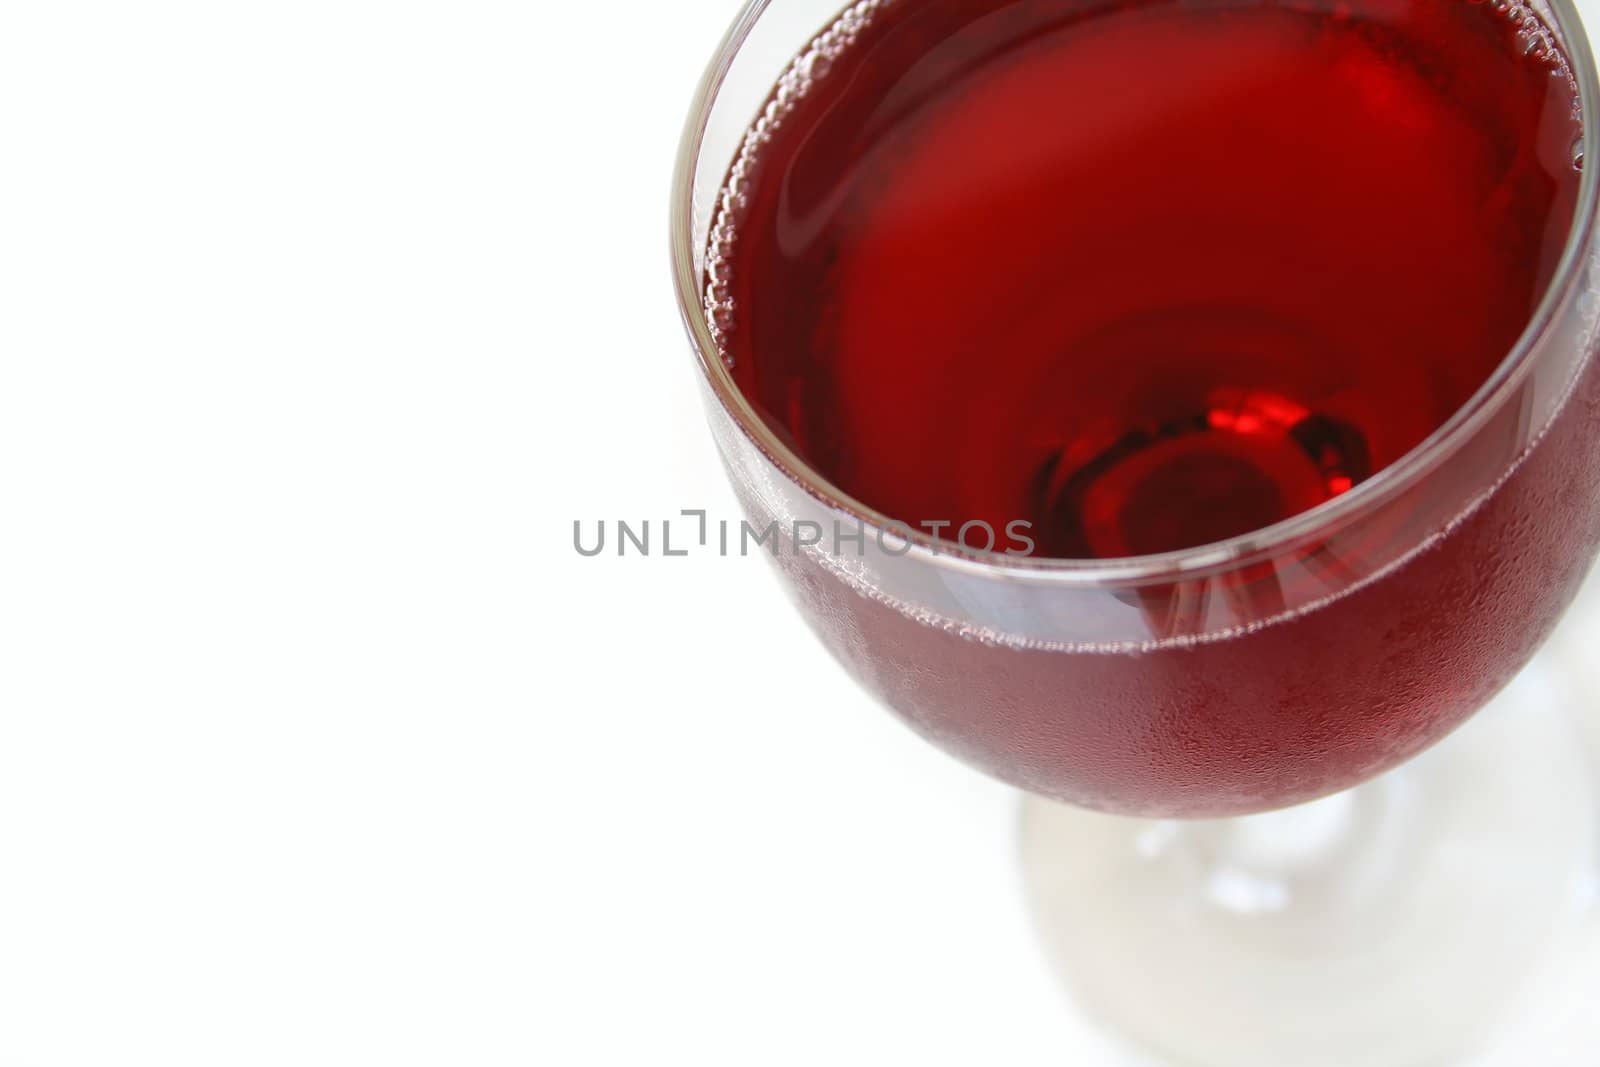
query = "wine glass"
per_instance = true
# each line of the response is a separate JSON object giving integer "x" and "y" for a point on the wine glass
{"x": 1191, "y": 691}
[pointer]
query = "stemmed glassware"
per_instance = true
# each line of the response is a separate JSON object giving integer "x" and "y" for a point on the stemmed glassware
{"x": 1289, "y": 671}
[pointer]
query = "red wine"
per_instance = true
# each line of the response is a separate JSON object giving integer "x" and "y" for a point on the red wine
{"x": 1145, "y": 274}
{"x": 1148, "y": 275}
{"x": 1313, "y": 703}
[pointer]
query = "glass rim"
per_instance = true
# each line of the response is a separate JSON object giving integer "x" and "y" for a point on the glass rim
{"x": 1239, "y": 551}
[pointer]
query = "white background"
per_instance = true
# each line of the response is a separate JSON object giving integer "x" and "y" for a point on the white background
{"x": 320, "y": 322}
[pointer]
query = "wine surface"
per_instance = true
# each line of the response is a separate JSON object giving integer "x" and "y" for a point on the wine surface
{"x": 1145, "y": 274}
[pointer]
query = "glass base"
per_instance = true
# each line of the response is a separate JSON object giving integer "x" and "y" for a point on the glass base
{"x": 1433, "y": 916}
